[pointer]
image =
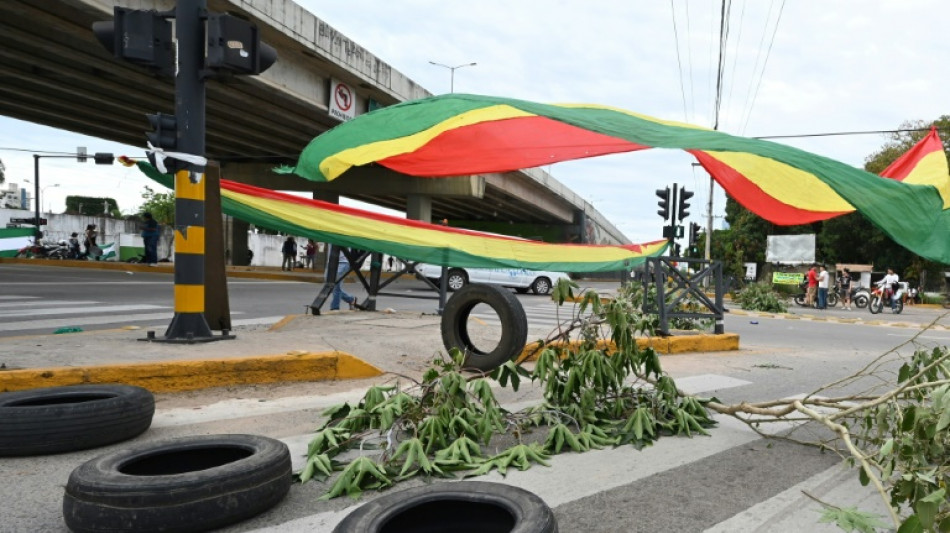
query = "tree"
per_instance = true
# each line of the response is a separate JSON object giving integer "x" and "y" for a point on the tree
{"x": 160, "y": 204}
{"x": 3, "y": 171}
{"x": 92, "y": 206}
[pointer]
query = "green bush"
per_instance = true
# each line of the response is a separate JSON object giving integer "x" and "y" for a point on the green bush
{"x": 761, "y": 297}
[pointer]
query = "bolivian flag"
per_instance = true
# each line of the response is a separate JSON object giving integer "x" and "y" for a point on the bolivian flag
{"x": 458, "y": 134}
{"x": 411, "y": 239}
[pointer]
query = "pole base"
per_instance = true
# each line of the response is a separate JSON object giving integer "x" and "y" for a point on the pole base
{"x": 188, "y": 328}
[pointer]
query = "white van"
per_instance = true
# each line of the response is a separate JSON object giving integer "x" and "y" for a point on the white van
{"x": 520, "y": 279}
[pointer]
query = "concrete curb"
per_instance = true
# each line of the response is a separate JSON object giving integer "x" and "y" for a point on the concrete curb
{"x": 176, "y": 376}
{"x": 664, "y": 345}
{"x": 841, "y": 320}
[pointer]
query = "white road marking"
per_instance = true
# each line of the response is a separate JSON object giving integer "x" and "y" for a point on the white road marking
{"x": 83, "y": 310}
{"x": 81, "y": 321}
{"x": 39, "y": 303}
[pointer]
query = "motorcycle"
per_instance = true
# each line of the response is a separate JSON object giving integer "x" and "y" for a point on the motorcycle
{"x": 803, "y": 287}
{"x": 879, "y": 298}
{"x": 46, "y": 251}
{"x": 860, "y": 296}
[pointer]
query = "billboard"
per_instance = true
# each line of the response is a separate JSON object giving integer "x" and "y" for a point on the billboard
{"x": 790, "y": 249}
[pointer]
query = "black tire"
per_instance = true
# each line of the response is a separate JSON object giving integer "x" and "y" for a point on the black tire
{"x": 514, "y": 325}
{"x": 876, "y": 305}
{"x": 459, "y": 507}
{"x": 832, "y": 299}
{"x": 541, "y": 286}
{"x": 861, "y": 301}
{"x": 178, "y": 485}
{"x": 62, "y": 419}
{"x": 457, "y": 279}
{"x": 898, "y": 307}
{"x": 800, "y": 299}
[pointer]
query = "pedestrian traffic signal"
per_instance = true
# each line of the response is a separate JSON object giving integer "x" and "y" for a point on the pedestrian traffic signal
{"x": 693, "y": 233}
{"x": 683, "y": 210}
{"x": 664, "y": 203}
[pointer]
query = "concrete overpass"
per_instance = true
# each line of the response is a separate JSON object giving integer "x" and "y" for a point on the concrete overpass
{"x": 55, "y": 73}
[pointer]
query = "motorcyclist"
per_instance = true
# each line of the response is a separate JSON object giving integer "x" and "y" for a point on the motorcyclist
{"x": 74, "y": 252}
{"x": 889, "y": 286}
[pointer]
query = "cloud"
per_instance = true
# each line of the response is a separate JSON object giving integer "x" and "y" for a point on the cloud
{"x": 848, "y": 65}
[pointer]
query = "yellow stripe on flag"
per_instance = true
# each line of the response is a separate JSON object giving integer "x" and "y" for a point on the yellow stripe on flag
{"x": 337, "y": 164}
{"x": 794, "y": 187}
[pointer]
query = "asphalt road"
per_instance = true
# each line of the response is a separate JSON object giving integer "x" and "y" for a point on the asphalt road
{"x": 731, "y": 481}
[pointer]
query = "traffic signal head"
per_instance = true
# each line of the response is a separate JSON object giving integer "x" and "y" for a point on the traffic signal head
{"x": 693, "y": 233}
{"x": 683, "y": 210}
{"x": 235, "y": 45}
{"x": 664, "y": 203}
{"x": 164, "y": 136}
{"x": 138, "y": 36}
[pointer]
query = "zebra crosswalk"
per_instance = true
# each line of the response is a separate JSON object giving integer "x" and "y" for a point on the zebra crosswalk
{"x": 33, "y": 314}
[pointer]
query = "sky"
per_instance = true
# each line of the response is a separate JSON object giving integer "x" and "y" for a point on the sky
{"x": 789, "y": 68}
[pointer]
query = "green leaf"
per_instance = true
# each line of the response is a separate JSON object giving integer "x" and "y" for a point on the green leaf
{"x": 863, "y": 477}
{"x": 887, "y": 447}
{"x": 852, "y": 519}
{"x": 911, "y": 525}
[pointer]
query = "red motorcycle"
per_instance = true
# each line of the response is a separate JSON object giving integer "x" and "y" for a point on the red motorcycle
{"x": 881, "y": 296}
{"x": 44, "y": 251}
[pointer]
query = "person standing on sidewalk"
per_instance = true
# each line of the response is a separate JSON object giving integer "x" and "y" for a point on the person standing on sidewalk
{"x": 311, "y": 255}
{"x": 338, "y": 294}
{"x": 811, "y": 289}
{"x": 822, "y": 288}
{"x": 150, "y": 236}
{"x": 289, "y": 249}
{"x": 844, "y": 289}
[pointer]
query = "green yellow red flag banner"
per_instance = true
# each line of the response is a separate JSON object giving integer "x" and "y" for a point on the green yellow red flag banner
{"x": 411, "y": 239}
{"x": 460, "y": 134}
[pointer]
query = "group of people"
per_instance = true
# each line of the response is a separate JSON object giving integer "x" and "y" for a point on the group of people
{"x": 819, "y": 283}
{"x": 289, "y": 252}
{"x": 817, "y": 291}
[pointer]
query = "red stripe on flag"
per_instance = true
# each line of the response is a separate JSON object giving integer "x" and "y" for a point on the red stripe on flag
{"x": 505, "y": 145}
{"x": 755, "y": 199}
{"x": 904, "y": 164}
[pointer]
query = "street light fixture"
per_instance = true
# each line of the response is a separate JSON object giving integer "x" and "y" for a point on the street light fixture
{"x": 452, "y": 71}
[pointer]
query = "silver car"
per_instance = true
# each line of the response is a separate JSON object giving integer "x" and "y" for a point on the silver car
{"x": 520, "y": 279}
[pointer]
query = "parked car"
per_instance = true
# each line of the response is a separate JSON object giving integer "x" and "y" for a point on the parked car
{"x": 520, "y": 279}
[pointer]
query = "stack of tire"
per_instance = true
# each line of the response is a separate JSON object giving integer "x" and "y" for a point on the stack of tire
{"x": 181, "y": 485}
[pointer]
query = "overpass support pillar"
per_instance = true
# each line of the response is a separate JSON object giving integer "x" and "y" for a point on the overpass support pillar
{"x": 238, "y": 241}
{"x": 419, "y": 207}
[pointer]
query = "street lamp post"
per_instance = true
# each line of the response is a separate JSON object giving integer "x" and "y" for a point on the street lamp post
{"x": 100, "y": 159}
{"x": 452, "y": 72}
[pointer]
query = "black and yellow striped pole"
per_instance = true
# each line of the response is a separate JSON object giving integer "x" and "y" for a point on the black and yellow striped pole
{"x": 189, "y": 322}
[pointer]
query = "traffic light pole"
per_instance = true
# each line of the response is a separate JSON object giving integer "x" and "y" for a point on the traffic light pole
{"x": 189, "y": 323}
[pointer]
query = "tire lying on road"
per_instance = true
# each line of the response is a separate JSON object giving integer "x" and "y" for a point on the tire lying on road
{"x": 62, "y": 419}
{"x": 514, "y": 325}
{"x": 459, "y": 507}
{"x": 178, "y": 485}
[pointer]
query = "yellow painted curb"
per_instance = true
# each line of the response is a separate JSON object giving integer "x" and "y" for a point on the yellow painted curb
{"x": 174, "y": 376}
{"x": 283, "y": 322}
{"x": 666, "y": 345}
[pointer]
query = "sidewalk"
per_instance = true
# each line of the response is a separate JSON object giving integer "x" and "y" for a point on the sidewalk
{"x": 331, "y": 346}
